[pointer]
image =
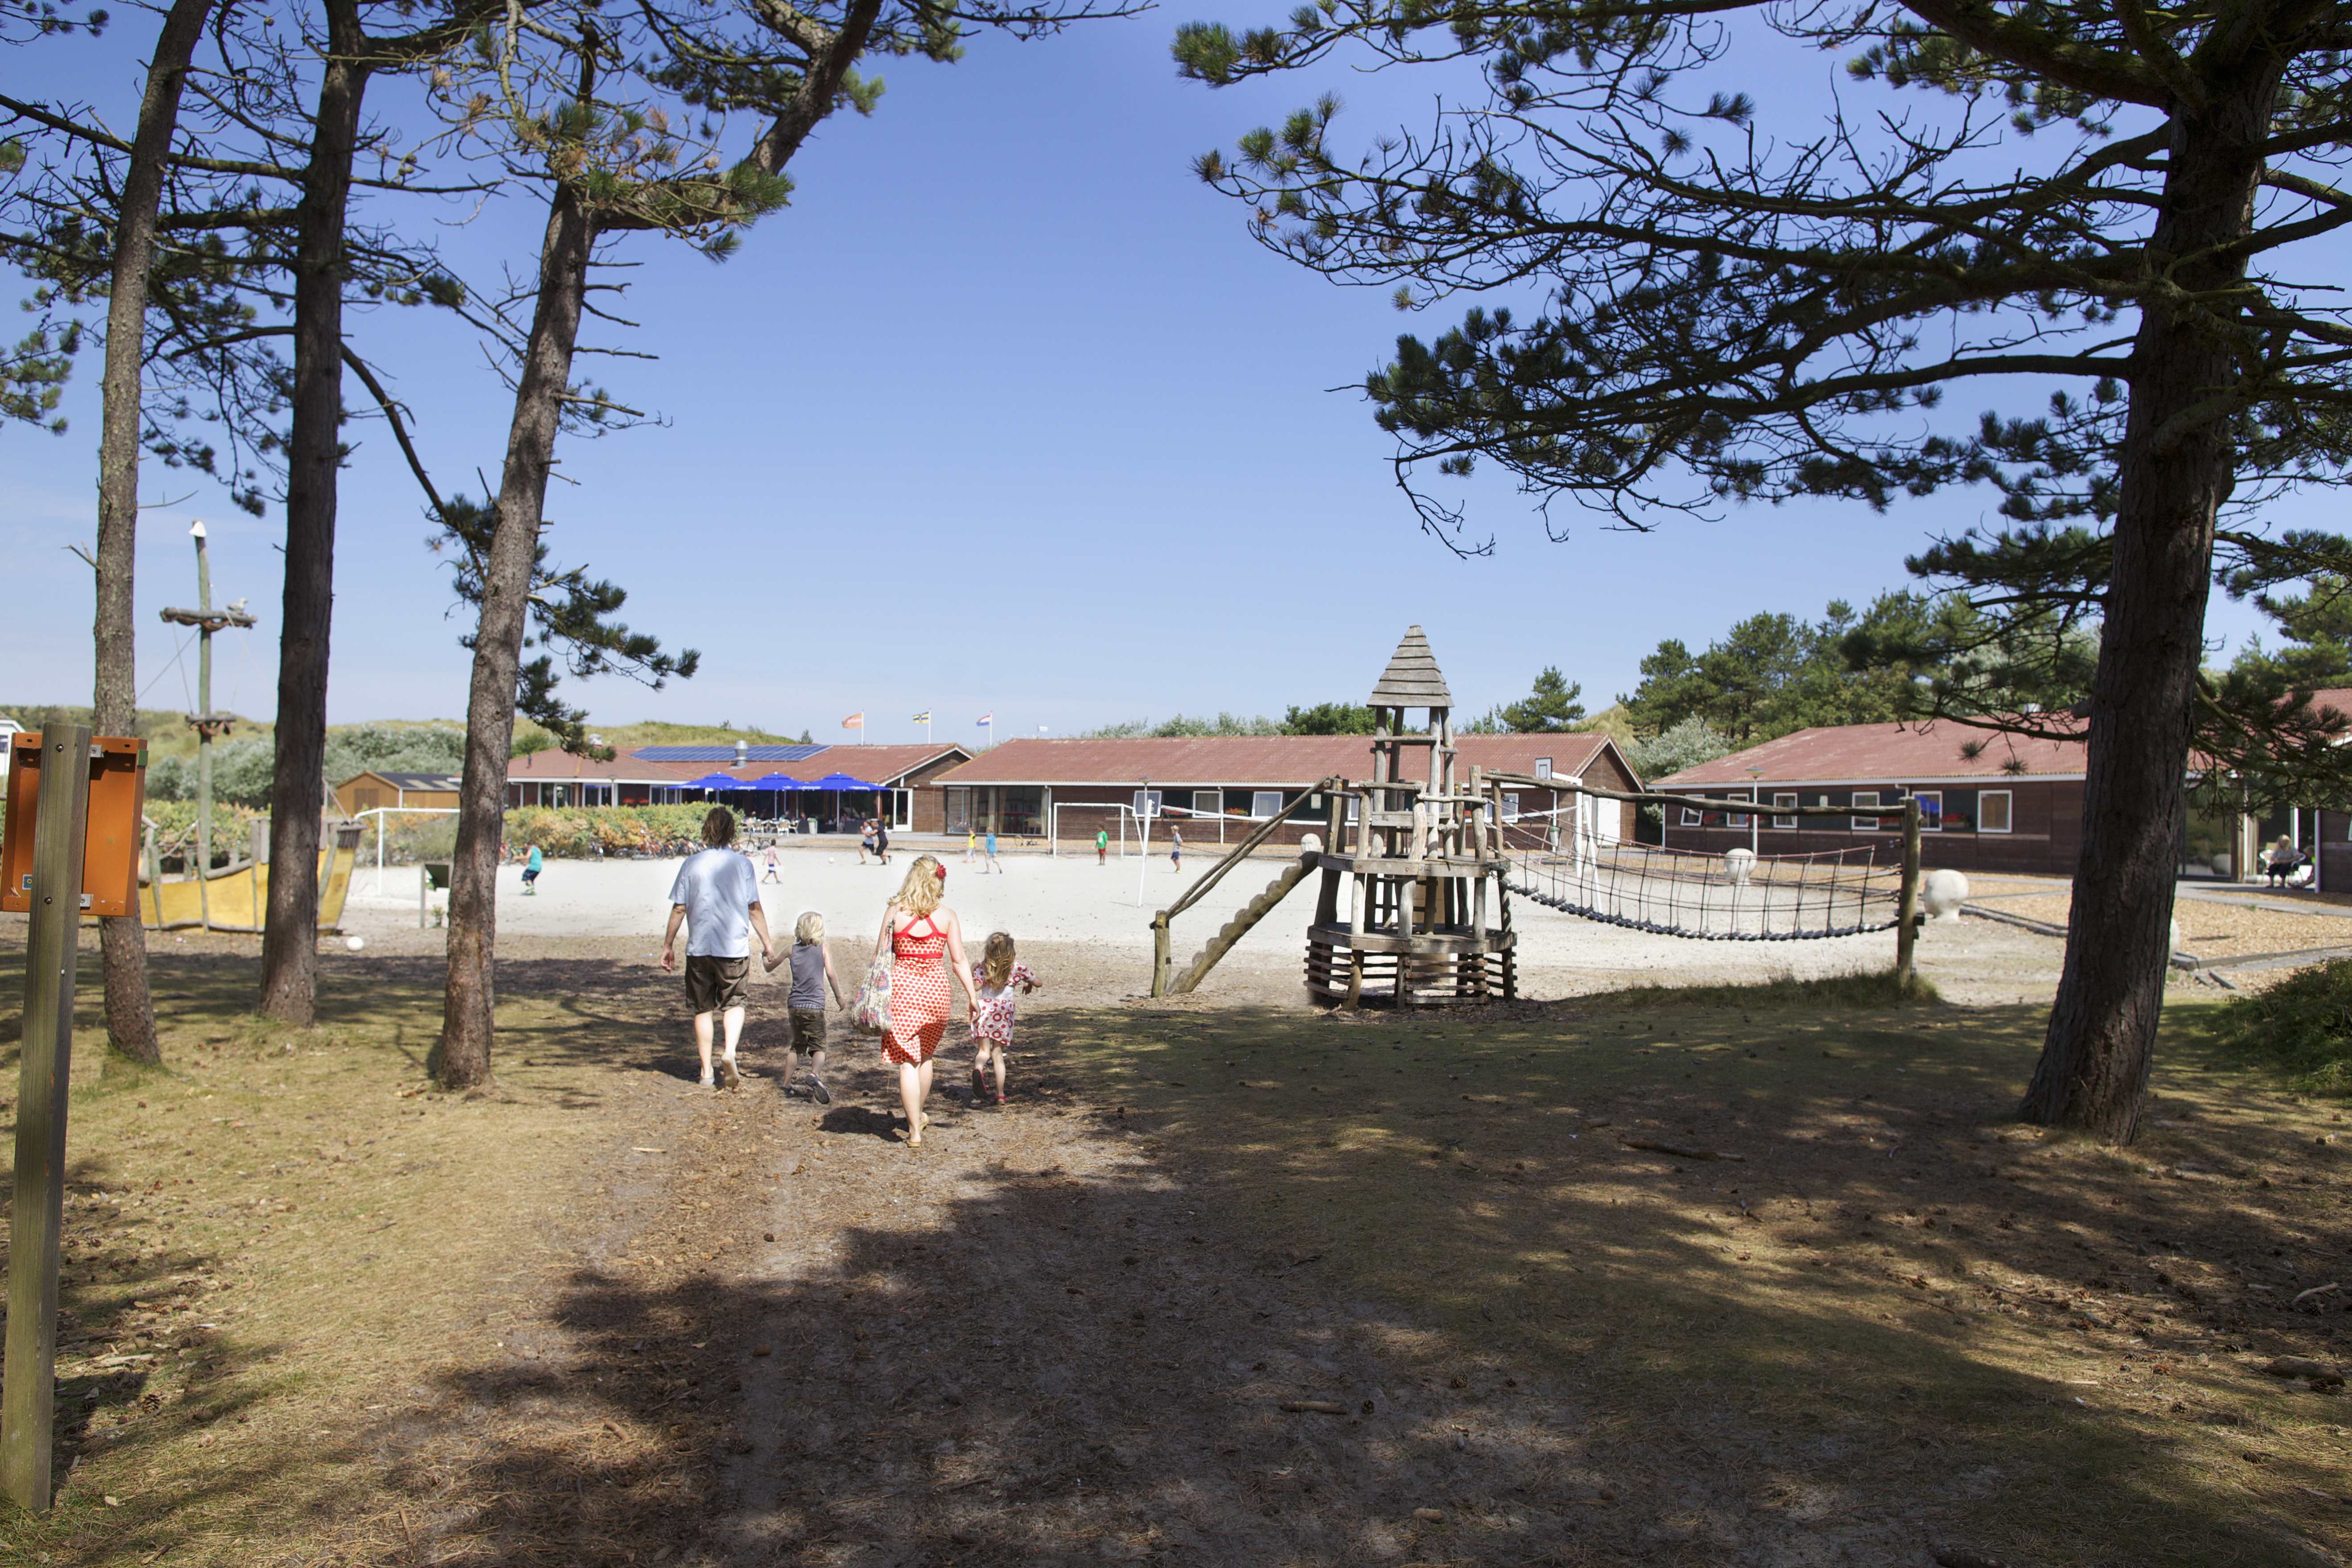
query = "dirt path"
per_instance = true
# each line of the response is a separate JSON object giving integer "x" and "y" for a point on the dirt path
{"x": 788, "y": 1338}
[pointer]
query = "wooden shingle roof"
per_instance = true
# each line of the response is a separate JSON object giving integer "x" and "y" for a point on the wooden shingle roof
{"x": 1412, "y": 678}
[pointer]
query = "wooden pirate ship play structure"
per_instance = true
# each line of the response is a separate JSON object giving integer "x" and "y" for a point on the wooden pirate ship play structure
{"x": 1411, "y": 882}
{"x": 1411, "y": 868}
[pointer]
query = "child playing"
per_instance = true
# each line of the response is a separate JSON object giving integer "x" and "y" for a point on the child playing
{"x": 812, "y": 963}
{"x": 1102, "y": 846}
{"x": 995, "y": 975}
{"x": 988, "y": 848}
{"x": 772, "y": 876}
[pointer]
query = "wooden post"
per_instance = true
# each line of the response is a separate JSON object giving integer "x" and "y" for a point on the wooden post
{"x": 27, "y": 1385}
{"x": 1906, "y": 933}
{"x": 1159, "y": 959}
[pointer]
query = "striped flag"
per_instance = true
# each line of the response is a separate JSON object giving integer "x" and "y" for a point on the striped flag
{"x": 923, "y": 718}
{"x": 855, "y": 721}
{"x": 985, "y": 719}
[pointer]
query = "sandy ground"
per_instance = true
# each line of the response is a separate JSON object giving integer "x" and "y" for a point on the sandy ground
{"x": 2221, "y": 924}
{"x": 1082, "y": 928}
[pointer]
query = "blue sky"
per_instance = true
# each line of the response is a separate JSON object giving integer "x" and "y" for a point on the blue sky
{"x": 1004, "y": 414}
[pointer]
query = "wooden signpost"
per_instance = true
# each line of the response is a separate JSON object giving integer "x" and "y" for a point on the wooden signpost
{"x": 65, "y": 795}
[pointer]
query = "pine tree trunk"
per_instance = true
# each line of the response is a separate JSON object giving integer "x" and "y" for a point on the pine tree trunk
{"x": 462, "y": 1059}
{"x": 123, "y": 940}
{"x": 2175, "y": 472}
{"x": 290, "y": 943}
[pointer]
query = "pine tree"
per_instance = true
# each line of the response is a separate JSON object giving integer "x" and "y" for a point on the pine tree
{"x": 1733, "y": 316}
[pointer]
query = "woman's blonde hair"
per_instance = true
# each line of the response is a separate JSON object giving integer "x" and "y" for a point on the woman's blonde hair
{"x": 810, "y": 926}
{"x": 996, "y": 960}
{"x": 919, "y": 893}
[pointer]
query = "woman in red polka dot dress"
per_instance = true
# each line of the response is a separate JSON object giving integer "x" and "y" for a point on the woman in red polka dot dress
{"x": 917, "y": 929}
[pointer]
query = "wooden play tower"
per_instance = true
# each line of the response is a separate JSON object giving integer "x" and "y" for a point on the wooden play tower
{"x": 1420, "y": 863}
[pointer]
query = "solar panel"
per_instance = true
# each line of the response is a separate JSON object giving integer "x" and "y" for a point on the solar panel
{"x": 724, "y": 753}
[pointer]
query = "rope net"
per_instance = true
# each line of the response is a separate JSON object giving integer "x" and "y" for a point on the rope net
{"x": 1560, "y": 862}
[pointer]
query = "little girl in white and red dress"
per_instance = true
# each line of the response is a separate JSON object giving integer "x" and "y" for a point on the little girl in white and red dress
{"x": 996, "y": 977}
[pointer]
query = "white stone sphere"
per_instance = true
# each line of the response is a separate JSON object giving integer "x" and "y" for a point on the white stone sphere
{"x": 1941, "y": 894}
{"x": 1736, "y": 865}
{"x": 355, "y": 942}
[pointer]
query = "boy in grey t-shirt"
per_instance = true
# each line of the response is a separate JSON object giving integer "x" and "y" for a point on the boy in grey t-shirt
{"x": 812, "y": 962}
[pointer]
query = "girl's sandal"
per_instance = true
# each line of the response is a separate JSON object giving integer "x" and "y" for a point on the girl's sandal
{"x": 1000, "y": 1100}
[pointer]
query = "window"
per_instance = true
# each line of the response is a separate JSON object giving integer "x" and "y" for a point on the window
{"x": 1992, "y": 811}
{"x": 1265, "y": 802}
{"x": 958, "y": 809}
{"x": 1208, "y": 801}
{"x": 1543, "y": 767}
{"x": 1690, "y": 816}
{"x": 1147, "y": 803}
{"x": 1510, "y": 805}
{"x": 1861, "y": 799}
{"x": 1788, "y": 797}
{"x": 1931, "y": 809}
{"x": 1738, "y": 818}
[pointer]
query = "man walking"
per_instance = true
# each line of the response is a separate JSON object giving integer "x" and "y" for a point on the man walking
{"x": 717, "y": 899}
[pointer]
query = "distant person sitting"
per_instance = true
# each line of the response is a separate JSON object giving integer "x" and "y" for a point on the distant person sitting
{"x": 2284, "y": 861}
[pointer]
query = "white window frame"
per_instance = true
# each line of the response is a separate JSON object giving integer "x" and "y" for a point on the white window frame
{"x": 2007, "y": 811}
{"x": 1865, "y": 824}
{"x": 1264, "y": 803}
{"x": 1147, "y": 802}
{"x": 1691, "y": 816}
{"x": 1737, "y": 818}
{"x": 1784, "y": 797}
{"x": 1510, "y": 805}
{"x": 1543, "y": 767}
{"x": 1930, "y": 821}
{"x": 1216, "y": 799}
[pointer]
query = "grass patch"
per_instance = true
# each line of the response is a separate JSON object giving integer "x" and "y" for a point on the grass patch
{"x": 1878, "y": 988}
{"x": 1882, "y": 1296}
{"x": 2304, "y": 1023}
{"x": 273, "y": 1244}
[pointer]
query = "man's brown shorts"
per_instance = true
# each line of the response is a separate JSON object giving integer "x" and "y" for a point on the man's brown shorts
{"x": 715, "y": 984}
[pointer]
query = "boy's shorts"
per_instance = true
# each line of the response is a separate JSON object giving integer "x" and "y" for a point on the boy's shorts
{"x": 715, "y": 984}
{"x": 529, "y": 876}
{"x": 808, "y": 1029}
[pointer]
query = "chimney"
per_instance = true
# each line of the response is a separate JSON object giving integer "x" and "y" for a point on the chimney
{"x": 743, "y": 753}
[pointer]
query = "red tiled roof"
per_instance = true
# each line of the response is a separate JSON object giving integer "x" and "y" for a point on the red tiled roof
{"x": 1269, "y": 760}
{"x": 553, "y": 763}
{"x": 1886, "y": 753}
{"x": 875, "y": 764}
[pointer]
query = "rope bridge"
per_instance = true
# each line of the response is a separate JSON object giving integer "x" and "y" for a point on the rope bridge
{"x": 1558, "y": 859}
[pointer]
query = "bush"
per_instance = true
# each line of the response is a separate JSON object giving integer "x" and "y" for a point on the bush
{"x": 583, "y": 832}
{"x": 2304, "y": 1023}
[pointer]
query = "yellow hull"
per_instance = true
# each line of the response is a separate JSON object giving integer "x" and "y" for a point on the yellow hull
{"x": 239, "y": 900}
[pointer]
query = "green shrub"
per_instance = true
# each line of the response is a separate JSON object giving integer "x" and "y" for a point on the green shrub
{"x": 582, "y": 832}
{"x": 2304, "y": 1023}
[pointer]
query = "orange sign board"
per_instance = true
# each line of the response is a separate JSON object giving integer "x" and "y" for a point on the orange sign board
{"x": 118, "y": 795}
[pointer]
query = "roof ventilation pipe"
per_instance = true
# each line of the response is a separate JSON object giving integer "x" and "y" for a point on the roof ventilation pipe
{"x": 743, "y": 753}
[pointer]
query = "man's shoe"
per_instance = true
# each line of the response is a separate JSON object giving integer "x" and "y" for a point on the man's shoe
{"x": 818, "y": 1093}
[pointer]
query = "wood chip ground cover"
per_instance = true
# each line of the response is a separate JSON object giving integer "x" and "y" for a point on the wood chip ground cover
{"x": 607, "y": 1318}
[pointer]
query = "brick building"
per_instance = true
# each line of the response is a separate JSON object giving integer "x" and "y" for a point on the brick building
{"x": 1214, "y": 786}
{"x": 664, "y": 775}
{"x": 1988, "y": 802}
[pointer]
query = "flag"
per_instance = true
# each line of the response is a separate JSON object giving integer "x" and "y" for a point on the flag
{"x": 985, "y": 719}
{"x": 923, "y": 718}
{"x": 855, "y": 721}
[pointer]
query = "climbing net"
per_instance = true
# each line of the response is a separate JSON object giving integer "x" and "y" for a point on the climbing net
{"x": 1558, "y": 862}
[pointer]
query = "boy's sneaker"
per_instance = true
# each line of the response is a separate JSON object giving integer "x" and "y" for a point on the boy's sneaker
{"x": 817, "y": 1091}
